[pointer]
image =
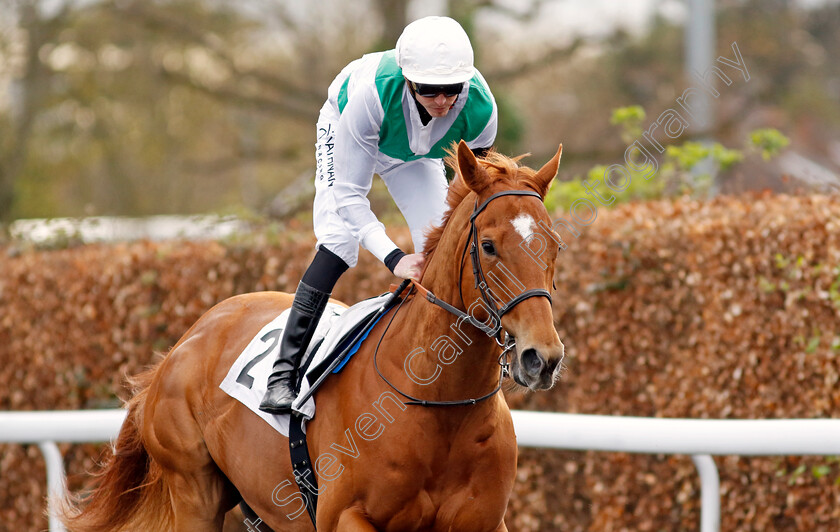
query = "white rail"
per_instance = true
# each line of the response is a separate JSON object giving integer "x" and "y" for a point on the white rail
{"x": 46, "y": 428}
{"x": 678, "y": 436}
{"x": 699, "y": 438}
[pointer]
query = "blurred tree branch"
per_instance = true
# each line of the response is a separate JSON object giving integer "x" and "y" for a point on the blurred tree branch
{"x": 394, "y": 15}
{"x": 527, "y": 15}
{"x": 230, "y": 95}
{"x": 182, "y": 30}
{"x": 226, "y": 164}
{"x": 547, "y": 58}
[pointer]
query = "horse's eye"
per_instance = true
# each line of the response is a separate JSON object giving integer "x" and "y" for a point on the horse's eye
{"x": 488, "y": 248}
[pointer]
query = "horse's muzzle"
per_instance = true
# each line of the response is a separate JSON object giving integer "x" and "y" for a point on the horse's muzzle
{"x": 538, "y": 369}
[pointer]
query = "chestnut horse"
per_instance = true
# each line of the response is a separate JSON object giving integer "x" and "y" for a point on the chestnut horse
{"x": 187, "y": 452}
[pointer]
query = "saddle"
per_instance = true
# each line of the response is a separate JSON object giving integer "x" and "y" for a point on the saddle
{"x": 332, "y": 352}
{"x": 337, "y": 337}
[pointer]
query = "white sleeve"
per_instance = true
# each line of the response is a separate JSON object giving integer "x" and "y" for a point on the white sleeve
{"x": 487, "y": 137}
{"x": 356, "y": 148}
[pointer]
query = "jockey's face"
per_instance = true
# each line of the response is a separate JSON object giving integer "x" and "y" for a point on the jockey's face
{"x": 437, "y": 106}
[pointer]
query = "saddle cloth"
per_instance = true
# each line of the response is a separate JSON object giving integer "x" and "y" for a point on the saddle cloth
{"x": 246, "y": 381}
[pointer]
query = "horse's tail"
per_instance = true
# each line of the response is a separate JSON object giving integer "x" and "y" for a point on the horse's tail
{"x": 130, "y": 493}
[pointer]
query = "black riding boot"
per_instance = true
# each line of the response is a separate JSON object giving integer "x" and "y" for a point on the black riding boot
{"x": 306, "y": 310}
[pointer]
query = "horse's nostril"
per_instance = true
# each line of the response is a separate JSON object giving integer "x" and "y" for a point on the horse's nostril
{"x": 532, "y": 362}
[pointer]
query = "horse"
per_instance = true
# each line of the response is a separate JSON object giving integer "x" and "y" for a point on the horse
{"x": 188, "y": 453}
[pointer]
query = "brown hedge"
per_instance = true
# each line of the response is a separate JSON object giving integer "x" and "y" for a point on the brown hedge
{"x": 720, "y": 309}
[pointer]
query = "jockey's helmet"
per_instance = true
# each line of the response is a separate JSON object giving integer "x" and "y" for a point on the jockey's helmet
{"x": 435, "y": 50}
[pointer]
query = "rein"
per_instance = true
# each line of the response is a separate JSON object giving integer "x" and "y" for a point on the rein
{"x": 494, "y": 310}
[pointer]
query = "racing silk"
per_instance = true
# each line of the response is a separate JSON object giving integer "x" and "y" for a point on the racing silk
{"x": 379, "y": 127}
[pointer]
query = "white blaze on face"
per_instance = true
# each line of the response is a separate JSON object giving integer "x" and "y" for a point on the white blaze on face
{"x": 524, "y": 225}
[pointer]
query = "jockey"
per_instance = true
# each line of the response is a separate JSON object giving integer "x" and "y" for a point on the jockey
{"x": 392, "y": 113}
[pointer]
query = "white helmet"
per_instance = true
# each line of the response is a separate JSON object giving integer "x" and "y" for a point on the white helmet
{"x": 435, "y": 50}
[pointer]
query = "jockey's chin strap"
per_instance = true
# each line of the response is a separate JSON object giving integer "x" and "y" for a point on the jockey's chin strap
{"x": 496, "y": 312}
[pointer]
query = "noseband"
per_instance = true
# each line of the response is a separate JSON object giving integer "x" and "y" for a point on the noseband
{"x": 496, "y": 312}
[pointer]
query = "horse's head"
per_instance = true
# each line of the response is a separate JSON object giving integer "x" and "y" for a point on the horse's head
{"x": 501, "y": 204}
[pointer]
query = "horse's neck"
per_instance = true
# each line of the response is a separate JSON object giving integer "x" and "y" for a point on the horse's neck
{"x": 434, "y": 359}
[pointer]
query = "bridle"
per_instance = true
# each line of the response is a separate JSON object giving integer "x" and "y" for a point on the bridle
{"x": 481, "y": 281}
{"x": 496, "y": 312}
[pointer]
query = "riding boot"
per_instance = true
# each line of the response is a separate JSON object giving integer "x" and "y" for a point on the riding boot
{"x": 306, "y": 310}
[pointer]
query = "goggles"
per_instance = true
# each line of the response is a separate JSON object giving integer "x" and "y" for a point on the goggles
{"x": 428, "y": 90}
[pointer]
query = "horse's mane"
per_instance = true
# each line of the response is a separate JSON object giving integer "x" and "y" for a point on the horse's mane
{"x": 502, "y": 170}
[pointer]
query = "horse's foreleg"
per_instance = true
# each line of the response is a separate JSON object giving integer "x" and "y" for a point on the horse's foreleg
{"x": 353, "y": 520}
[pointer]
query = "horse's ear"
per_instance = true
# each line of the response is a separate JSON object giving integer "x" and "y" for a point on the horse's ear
{"x": 543, "y": 178}
{"x": 474, "y": 175}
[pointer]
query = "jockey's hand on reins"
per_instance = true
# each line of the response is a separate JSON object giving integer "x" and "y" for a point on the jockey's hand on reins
{"x": 410, "y": 266}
